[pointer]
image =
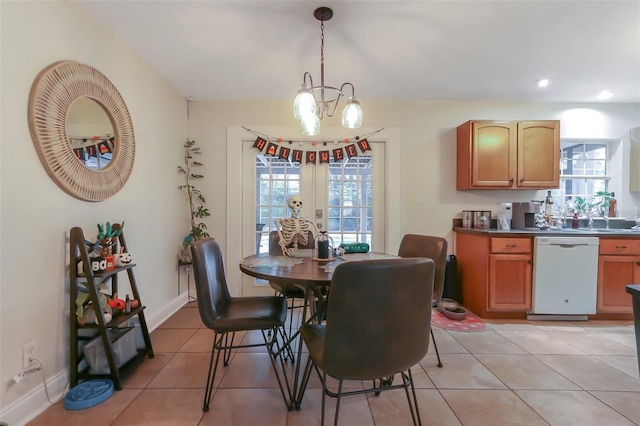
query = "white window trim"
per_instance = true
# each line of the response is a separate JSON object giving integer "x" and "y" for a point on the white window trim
{"x": 235, "y": 136}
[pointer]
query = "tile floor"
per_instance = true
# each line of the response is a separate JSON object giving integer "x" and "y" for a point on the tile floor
{"x": 513, "y": 373}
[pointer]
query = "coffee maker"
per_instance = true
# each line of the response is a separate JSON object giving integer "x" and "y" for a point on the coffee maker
{"x": 523, "y": 215}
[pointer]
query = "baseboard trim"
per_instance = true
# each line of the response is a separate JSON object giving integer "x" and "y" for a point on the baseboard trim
{"x": 35, "y": 402}
{"x": 550, "y": 317}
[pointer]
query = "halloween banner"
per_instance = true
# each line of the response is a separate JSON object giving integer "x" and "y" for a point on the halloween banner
{"x": 96, "y": 148}
{"x": 314, "y": 156}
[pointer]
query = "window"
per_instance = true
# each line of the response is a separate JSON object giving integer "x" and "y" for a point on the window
{"x": 584, "y": 170}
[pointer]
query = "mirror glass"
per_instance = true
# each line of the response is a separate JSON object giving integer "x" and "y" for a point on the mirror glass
{"x": 90, "y": 133}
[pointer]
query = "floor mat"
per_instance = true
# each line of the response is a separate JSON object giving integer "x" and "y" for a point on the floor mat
{"x": 471, "y": 322}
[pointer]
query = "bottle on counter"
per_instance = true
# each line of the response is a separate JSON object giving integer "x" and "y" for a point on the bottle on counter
{"x": 548, "y": 207}
{"x": 574, "y": 222}
{"x": 613, "y": 205}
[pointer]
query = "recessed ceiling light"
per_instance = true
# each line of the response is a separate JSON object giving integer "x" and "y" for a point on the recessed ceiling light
{"x": 605, "y": 94}
{"x": 543, "y": 82}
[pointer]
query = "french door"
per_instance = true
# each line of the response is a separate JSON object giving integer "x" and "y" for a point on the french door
{"x": 344, "y": 198}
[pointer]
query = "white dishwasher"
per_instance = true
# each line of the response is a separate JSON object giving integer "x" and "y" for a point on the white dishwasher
{"x": 565, "y": 277}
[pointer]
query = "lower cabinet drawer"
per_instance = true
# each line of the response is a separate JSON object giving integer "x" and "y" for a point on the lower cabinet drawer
{"x": 619, "y": 246}
{"x": 510, "y": 245}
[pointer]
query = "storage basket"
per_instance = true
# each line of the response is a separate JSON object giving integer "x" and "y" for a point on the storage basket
{"x": 124, "y": 349}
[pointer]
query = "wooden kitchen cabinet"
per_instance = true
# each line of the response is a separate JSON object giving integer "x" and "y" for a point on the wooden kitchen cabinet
{"x": 496, "y": 274}
{"x": 509, "y": 284}
{"x": 508, "y": 155}
{"x": 618, "y": 265}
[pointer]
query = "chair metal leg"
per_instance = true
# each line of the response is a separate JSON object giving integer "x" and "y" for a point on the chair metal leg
{"x": 211, "y": 374}
{"x": 324, "y": 397}
{"x": 227, "y": 348}
{"x": 407, "y": 380}
{"x": 303, "y": 383}
{"x": 338, "y": 399}
{"x": 269, "y": 343}
{"x": 435, "y": 347}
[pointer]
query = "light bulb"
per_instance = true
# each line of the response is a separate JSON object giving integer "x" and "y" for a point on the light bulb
{"x": 304, "y": 102}
{"x": 310, "y": 124}
{"x": 352, "y": 114}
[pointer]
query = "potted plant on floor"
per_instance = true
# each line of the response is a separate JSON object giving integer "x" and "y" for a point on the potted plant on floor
{"x": 197, "y": 208}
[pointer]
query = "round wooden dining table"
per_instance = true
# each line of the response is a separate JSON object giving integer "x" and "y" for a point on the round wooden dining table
{"x": 307, "y": 272}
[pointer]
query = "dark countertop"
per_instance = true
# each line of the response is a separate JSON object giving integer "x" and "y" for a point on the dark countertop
{"x": 569, "y": 232}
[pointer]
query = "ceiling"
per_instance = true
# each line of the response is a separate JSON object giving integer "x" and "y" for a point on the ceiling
{"x": 478, "y": 50}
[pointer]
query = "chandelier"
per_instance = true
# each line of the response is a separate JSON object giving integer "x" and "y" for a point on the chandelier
{"x": 312, "y": 103}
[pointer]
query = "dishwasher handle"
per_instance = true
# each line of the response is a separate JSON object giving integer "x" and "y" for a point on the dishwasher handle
{"x": 572, "y": 245}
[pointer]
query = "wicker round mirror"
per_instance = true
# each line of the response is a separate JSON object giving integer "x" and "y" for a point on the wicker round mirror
{"x": 53, "y": 92}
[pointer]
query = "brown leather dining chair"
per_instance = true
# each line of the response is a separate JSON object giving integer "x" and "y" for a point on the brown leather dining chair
{"x": 414, "y": 245}
{"x": 377, "y": 326}
{"x": 225, "y": 315}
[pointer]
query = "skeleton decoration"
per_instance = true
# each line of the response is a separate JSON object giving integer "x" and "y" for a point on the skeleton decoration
{"x": 293, "y": 231}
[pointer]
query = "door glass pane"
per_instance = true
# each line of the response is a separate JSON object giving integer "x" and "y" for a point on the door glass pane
{"x": 276, "y": 180}
{"x": 350, "y": 200}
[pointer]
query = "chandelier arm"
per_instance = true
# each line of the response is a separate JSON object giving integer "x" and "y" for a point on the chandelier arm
{"x": 304, "y": 79}
{"x": 332, "y": 106}
{"x": 353, "y": 89}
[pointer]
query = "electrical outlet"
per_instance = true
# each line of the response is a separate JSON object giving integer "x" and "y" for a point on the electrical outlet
{"x": 28, "y": 353}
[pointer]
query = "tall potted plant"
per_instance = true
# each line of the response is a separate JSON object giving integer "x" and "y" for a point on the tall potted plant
{"x": 197, "y": 208}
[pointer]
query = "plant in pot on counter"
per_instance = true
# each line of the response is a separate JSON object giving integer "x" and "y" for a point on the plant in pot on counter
{"x": 197, "y": 208}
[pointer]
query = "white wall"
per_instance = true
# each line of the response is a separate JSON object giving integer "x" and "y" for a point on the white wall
{"x": 36, "y": 215}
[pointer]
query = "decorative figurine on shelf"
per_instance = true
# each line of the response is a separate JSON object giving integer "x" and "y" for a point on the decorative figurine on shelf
{"x": 293, "y": 231}
{"x": 122, "y": 259}
{"x": 107, "y": 236}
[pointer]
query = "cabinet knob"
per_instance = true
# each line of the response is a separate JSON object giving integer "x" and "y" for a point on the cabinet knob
{"x": 521, "y": 180}
{"x": 531, "y": 263}
{"x": 638, "y": 263}
{"x": 511, "y": 181}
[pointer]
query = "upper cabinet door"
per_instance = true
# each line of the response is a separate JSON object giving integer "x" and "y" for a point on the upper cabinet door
{"x": 508, "y": 155}
{"x": 538, "y": 154}
{"x": 486, "y": 155}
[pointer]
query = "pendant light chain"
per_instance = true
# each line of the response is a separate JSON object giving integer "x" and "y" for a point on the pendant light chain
{"x": 322, "y": 105}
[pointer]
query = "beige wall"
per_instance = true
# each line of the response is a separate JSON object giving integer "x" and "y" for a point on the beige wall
{"x": 36, "y": 215}
{"x": 427, "y": 148}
